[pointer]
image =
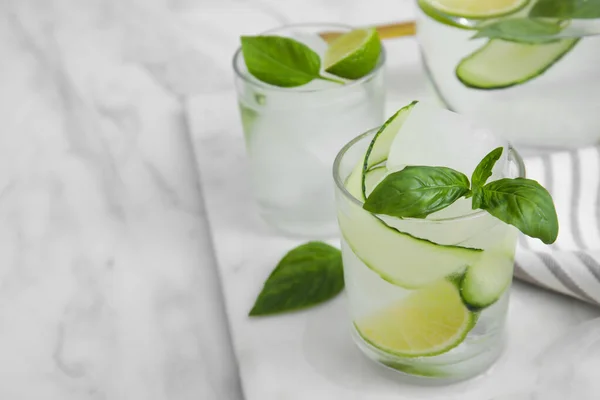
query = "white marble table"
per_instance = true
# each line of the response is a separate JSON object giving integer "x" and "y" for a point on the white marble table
{"x": 108, "y": 288}
{"x": 108, "y": 283}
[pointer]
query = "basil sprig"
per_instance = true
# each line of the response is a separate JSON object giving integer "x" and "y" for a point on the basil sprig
{"x": 484, "y": 169}
{"x": 417, "y": 191}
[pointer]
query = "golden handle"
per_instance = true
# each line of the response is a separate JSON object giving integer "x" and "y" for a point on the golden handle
{"x": 388, "y": 31}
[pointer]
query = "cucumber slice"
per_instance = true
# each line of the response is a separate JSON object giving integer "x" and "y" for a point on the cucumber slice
{"x": 420, "y": 370}
{"x": 486, "y": 280}
{"x": 377, "y": 244}
{"x": 382, "y": 141}
{"x": 373, "y": 177}
{"x": 501, "y": 64}
{"x": 400, "y": 258}
{"x": 355, "y": 181}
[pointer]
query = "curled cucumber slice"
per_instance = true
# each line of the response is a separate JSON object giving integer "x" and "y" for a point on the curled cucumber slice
{"x": 382, "y": 141}
{"x": 501, "y": 64}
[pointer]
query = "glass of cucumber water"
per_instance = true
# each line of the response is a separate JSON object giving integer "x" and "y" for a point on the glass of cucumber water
{"x": 300, "y": 101}
{"x": 427, "y": 295}
{"x": 528, "y": 68}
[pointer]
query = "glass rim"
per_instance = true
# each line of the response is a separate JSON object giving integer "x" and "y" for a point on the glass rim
{"x": 518, "y": 160}
{"x": 297, "y": 89}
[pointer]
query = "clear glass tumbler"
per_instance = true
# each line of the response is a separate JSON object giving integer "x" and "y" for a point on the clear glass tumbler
{"x": 293, "y": 134}
{"x": 427, "y": 297}
{"x": 542, "y": 92}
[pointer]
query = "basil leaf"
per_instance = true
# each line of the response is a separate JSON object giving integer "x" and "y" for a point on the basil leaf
{"x": 280, "y": 61}
{"x": 589, "y": 9}
{"x": 552, "y": 9}
{"x": 417, "y": 191}
{"x": 566, "y": 9}
{"x": 308, "y": 275}
{"x": 523, "y": 203}
{"x": 524, "y": 30}
{"x": 484, "y": 169}
{"x": 477, "y": 198}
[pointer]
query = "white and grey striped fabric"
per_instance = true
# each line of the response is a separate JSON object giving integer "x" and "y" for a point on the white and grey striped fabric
{"x": 572, "y": 264}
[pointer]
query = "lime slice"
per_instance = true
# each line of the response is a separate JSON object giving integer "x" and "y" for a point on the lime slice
{"x": 475, "y": 8}
{"x": 427, "y": 322}
{"x": 354, "y": 54}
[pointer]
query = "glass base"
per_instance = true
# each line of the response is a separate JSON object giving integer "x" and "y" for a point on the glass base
{"x": 434, "y": 371}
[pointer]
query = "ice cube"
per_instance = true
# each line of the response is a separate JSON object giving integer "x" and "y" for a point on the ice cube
{"x": 437, "y": 137}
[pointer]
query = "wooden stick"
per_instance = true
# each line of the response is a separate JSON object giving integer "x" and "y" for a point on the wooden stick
{"x": 388, "y": 31}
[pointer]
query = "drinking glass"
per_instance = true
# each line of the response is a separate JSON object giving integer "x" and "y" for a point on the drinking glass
{"x": 427, "y": 297}
{"x": 293, "y": 134}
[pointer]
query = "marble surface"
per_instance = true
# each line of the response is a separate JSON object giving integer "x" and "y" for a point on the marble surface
{"x": 309, "y": 354}
{"x": 108, "y": 286}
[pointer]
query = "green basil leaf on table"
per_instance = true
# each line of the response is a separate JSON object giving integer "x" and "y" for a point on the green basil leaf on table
{"x": 520, "y": 30}
{"x": 417, "y": 191}
{"x": 484, "y": 169}
{"x": 280, "y": 61}
{"x": 523, "y": 203}
{"x": 308, "y": 275}
{"x": 566, "y": 9}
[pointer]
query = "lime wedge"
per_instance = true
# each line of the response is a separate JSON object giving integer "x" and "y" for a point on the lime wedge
{"x": 354, "y": 54}
{"x": 475, "y": 8}
{"x": 427, "y": 322}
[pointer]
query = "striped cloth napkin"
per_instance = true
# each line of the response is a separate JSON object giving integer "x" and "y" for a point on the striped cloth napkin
{"x": 572, "y": 264}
